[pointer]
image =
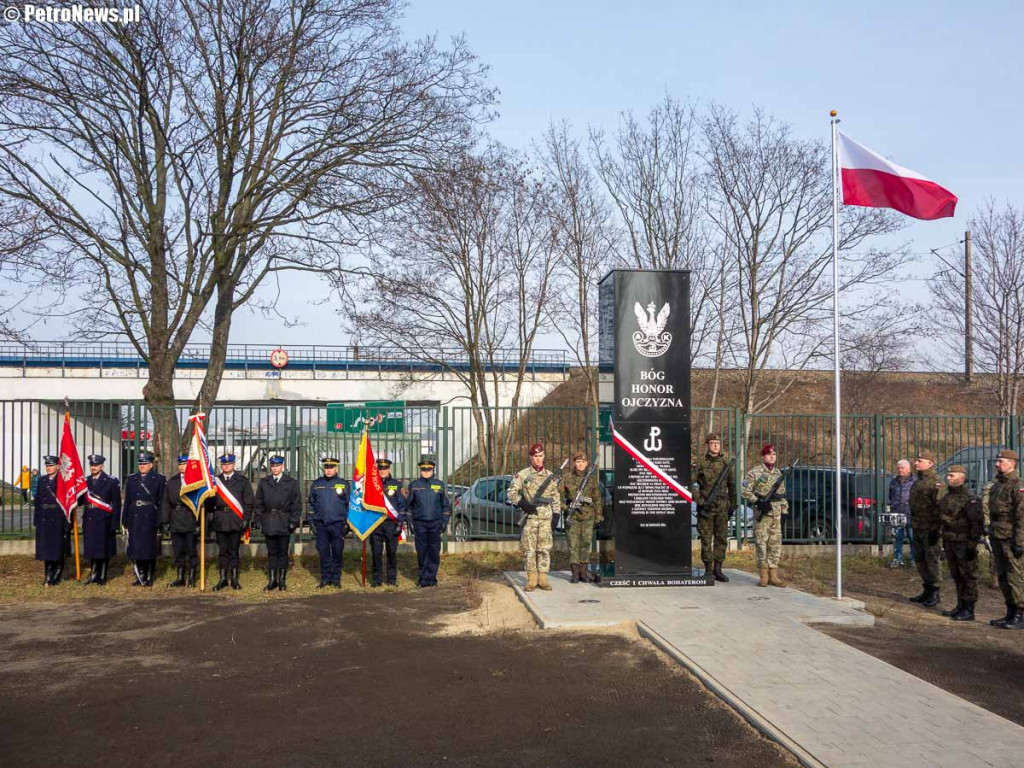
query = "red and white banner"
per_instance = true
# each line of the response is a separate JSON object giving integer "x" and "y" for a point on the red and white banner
{"x": 70, "y": 478}
{"x": 651, "y": 467}
{"x": 99, "y": 503}
{"x": 229, "y": 499}
{"x": 869, "y": 180}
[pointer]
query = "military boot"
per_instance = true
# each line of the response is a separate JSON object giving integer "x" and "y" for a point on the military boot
{"x": 709, "y": 567}
{"x": 48, "y": 574}
{"x": 925, "y": 593}
{"x": 92, "y": 574}
{"x": 966, "y": 612}
{"x": 764, "y": 577}
{"x": 282, "y": 581}
{"x": 137, "y": 570}
{"x": 149, "y": 572}
{"x": 223, "y": 580}
{"x": 272, "y": 582}
{"x": 774, "y": 579}
{"x": 531, "y": 581}
{"x": 719, "y": 576}
{"x": 1016, "y": 621}
{"x": 1007, "y": 618}
{"x": 234, "y": 578}
{"x": 933, "y": 598}
{"x": 542, "y": 581}
{"x": 193, "y": 572}
{"x": 101, "y": 579}
{"x": 956, "y": 610}
{"x": 180, "y": 581}
{"x": 58, "y": 573}
{"x": 575, "y": 579}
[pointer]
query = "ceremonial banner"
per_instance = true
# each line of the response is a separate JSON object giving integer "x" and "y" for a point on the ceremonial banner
{"x": 367, "y": 504}
{"x": 197, "y": 480}
{"x": 70, "y": 477}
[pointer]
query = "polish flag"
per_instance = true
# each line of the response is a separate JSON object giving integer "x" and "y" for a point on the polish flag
{"x": 872, "y": 181}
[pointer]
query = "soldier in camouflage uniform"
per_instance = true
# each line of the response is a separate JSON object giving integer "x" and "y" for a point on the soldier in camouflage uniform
{"x": 924, "y": 515}
{"x": 580, "y": 519}
{"x": 767, "y": 530}
{"x": 713, "y": 520}
{"x": 960, "y": 518}
{"x": 986, "y": 520}
{"x": 540, "y": 508}
{"x": 1006, "y": 508}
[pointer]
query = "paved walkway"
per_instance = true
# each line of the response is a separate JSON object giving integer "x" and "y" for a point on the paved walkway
{"x": 828, "y": 703}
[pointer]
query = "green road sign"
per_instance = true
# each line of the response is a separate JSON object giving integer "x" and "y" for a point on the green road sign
{"x": 350, "y": 417}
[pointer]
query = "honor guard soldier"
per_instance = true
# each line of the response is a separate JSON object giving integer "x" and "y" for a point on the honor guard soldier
{"x": 1006, "y": 511}
{"x": 582, "y": 515}
{"x": 765, "y": 489}
{"x": 180, "y": 522}
{"x": 278, "y": 513}
{"x": 51, "y": 524}
{"x": 535, "y": 491}
{"x": 230, "y": 521}
{"x": 925, "y": 495}
{"x": 713, "y": 475}
{"x": 143, "y": 496}
{"x": 429, "y": 509}
{"x": 385, "y": 536}
{"x": 328, "y": 498}
{"x": 100, "y": 519}
{"x": 961, "y": 526}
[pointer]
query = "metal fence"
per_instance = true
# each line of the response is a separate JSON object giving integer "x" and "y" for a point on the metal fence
{"x": 478, "y": 451}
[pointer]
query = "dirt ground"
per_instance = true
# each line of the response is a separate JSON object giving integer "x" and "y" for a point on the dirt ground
{"x": 980, "y": 663}
{"x": 455, "y": 676}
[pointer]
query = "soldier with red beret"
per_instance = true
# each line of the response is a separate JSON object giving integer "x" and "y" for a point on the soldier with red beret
{"x": 535, "y": 491}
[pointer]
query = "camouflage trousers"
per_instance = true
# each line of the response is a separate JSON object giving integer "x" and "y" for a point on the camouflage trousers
{"x": 713, "y": 529}
{"x": 768, "y": 541}
{"x": 927, "y": 558}
{"x": 579, "y": 534}
{"x": 1011, "y": 572}
{"x": 962, "y": 559}
{"x": 536, "y": 543}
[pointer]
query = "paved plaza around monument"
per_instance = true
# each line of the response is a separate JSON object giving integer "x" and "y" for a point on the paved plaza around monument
{"x": 828, "y": 703}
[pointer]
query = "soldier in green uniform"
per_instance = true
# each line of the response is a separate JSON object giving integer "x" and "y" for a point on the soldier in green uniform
{"x": 581, "y": 517}
{"x": 1006, "y": 508}
{"x": 993, "y": 576}
{"x": 768, "y": 530}
{"x": 713, "y": 519}
{"x": 960, "y": 518}
{"x": 924, "y": 519}
{"x": 539, "y": 499}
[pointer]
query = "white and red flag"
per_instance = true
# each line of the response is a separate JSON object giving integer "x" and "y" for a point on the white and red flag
{"x": 197, "y": 481}
{"x": 70, "y": 478}
{"x": 869, "y": 180}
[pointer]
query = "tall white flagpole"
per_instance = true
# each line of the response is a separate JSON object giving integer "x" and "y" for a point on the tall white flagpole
{"x": 835, "y": 333}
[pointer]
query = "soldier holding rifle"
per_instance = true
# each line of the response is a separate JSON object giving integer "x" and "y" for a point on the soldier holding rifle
{"x": 535, "y": 492}
{"x": 765, "y": 488}
{"x": 581, "y": 497}
{"x": 716, "y": 500}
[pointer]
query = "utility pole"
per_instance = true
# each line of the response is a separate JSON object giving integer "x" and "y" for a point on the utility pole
{"x": 969, "y": 312}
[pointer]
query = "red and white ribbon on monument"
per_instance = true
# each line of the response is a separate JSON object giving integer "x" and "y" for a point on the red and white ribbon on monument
{"x": 649, "y": 465}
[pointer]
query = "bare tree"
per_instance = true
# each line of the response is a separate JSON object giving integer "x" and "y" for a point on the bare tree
{"x": 771, "y": 198}
{"x": 22, "y": 236}
{"x": 182, "y": 160}
{"x": 998, "y": 301}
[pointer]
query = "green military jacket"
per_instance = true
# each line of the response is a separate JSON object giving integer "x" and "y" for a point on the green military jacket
{"x": 525, "y": 485}
{"x": 924, "y": 502}
{"x": 759, "y": 482}
{"x": 1006, "y": 507}
{"x": 704, "y": 475}
{"x": 590, "y": 501}
{"x": 960, "y": 514}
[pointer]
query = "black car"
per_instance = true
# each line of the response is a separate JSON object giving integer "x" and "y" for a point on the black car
{"x": 811, "y": 495}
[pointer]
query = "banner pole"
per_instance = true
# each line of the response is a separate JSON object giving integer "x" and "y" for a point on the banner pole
{"x": 202, "y": 550}
{"x": 838, "y": 509}
{"x": 364, "y": 563}
{"x": 74, "y": 532}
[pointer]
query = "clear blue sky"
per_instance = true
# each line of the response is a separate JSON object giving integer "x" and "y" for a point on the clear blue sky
{"x": 935, "y": 86}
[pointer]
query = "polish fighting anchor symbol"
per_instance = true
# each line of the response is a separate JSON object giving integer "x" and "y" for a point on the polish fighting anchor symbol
{"x": 652, "y": 443}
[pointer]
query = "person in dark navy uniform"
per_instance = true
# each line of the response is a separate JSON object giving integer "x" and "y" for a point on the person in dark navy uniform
{"x": 278, "y": 513}
{"x": 429, "y": 509}
{"x": 179, "y": 521}
{"x": 328, "y": 499}
{"x": 226, "y": 522}
{"x": 51, "y": 525}
{"x": 385, "y": 536}
{"x": 100, "y": 519}
{"x": 140, "y": 517}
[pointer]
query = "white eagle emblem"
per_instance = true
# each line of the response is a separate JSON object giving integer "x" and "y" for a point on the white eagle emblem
{"x": 65, "y": 467}
{"x": 652, "y": 340}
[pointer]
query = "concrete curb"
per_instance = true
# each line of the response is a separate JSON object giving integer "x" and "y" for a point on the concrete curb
{"x": 752, "y": 716}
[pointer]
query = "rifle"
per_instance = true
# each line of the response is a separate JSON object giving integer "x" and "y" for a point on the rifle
{"x": 577, "y": 500}
{"x": 764, "y": 503}
{"x": 715, "y": 488}
{"x": 538, "y": 497}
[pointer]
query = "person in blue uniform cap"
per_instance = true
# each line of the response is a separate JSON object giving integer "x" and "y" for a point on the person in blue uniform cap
{"x": 227, "y": 523}
{"x": 278, "y": 513}
{"x": 51, "y": 524}
{"x": 328, "y": 501}
{"x": 140, "y": 518}
{"x": 100, "y": 518}
{"x": 429, "y": 508}
{"x": 384, "y": 538}
{"x": 178, "y": 521}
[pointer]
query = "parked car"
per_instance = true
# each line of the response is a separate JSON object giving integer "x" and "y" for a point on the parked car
{"x": 811, "y": 495}
{"x": 483, "y": 510}
{"x": 978, "y": 460}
